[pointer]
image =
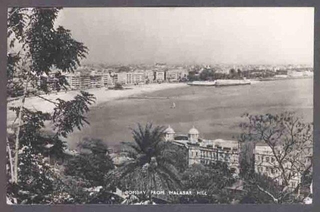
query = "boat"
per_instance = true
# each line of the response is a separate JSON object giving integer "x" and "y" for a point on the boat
{"x": 202, "y": 83}
{"x": 220, "y": 82}
{"x": 230, "y": 82}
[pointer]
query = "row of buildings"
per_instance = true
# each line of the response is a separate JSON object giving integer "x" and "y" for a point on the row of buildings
{"x": 94, "y": 78}
{"x": 294, "y": 74}
{"x": 202, "y": 151}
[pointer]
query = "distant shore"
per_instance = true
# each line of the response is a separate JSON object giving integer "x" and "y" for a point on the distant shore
{"x": 102, "y": 95}
{"x": 285, "y": 78}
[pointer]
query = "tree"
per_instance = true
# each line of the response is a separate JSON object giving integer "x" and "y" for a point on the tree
{"x": 151, "y": 164}
{"x": 118, "y": 86}
{"x": 193, "y": 76}
{"x": 232, "y": 72}
{"x": 37, "y": 48}
{"x": 36, "y": 183}
{"x": 239, "y": 73}
{"x": 289, "y": 143}
{"x": 207, "y": 74}
{"x": 213, "y": 180}
{"x": 92, "y": 164}
{"x": 260, "y": 189}
{"x": 124, "y": 69}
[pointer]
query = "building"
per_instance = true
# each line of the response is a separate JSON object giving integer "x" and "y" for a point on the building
{"x": 149, "y": 76}
{"x": 73, "y": 79}
{"x": 96, "y": 79}
{"x": 265, "y": 163}
{"x": 135, "y": 77}
{"x": 159, "y": 75}
{"x": 46, "y": 81}
{"x": 177, "y": 74}
{"x": 85, "y": 81}
{"x": 120, "y": 77}
{"x": 106, "y": 78}
{"x": 201, "y": 151}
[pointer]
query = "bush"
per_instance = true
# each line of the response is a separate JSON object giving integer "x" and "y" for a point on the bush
{"x": 118, "y": 86}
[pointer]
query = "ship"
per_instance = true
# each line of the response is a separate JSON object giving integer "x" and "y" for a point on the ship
{"x": 202, "y": 83}
{"x": 220, "y": 82}
{"x": 230, "y": 82}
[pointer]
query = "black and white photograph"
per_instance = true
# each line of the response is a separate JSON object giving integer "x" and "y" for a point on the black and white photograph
{"x": 159, "y": 105}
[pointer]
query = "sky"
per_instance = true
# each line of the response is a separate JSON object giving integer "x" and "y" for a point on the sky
{"x": 193, "y": 35}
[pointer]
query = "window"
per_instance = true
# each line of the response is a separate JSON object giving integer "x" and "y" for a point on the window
{"x": 267, "y": 159}
{"x": 272, "y": 159}
{"x": 129, "y": 76}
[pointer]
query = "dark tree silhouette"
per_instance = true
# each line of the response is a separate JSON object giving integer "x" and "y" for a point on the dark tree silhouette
{"x": 36, "y": 49}
{"x": 151, "y": 163}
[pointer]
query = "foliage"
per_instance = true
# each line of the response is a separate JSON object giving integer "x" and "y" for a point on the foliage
{"x": 213, "y": 180}
{"x": 70, "y": 114}
{"x": 124, "y": 69}
{"x": 290, "y": 143}
{"x": 39, "y": 50}
{"x": 37, "y": 47}
{"x": 151, "y": 164}
{"x": 207, "y": 74}
{"x": 92, "y": 164}
{"x": 257, "y": 73}
{"x": 36, "y": 182}
{"x": 118, "y": 86}
{"x": 257, "y": 187}
{"x": 193, "y": 76}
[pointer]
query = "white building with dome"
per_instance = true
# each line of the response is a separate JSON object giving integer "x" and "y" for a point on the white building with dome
{"x": 203, "y": 151}
{"x": 169, "y": 134}
{"x": 193, "y": 135}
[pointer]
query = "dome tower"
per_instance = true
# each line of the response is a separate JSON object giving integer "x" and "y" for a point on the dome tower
{"x": 169, "y": 134}
{"x": 193, "y": 135}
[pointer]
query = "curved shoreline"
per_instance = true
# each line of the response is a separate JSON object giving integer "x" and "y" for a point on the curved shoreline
{"x": 102, "y": 95}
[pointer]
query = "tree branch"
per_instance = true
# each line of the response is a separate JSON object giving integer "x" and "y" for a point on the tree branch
{"x": 41, "y": 97}
{"x": 10, "y": 161}
{"x": 269, "y": 194}
{"x": 16, "y": 163}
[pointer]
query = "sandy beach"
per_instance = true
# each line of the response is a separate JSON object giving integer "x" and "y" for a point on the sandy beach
{"x": 102, "y": 95}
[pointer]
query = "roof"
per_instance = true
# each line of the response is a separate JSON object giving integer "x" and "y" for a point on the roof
{"x": 169, "y": 130}
{"x": 193, "y": 131}
{"x": 225, "y": 143}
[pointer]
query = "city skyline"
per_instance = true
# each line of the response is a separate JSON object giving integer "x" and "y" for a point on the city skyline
{"x": 193, "y": 35}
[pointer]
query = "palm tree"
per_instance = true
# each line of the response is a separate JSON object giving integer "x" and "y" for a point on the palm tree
{"x": 151, "y": 164}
